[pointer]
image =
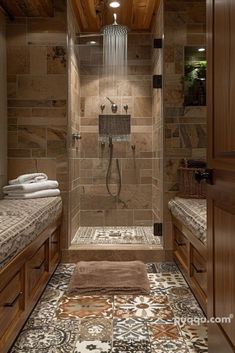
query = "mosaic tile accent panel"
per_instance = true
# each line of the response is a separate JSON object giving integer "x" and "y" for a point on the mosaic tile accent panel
{"x": 116, "y": 235}
{"x": 129, "y": 330}
{"x": 169, "y": 346}
{"x": 45, "y": 336}
{"x": 79, "y": 307}
{"x": 93, "y": 346}
{"x": 195, "y": 337}
{"x": 95, "y": 328}
{"x": 143, "y": 307}
{"x": 131, "y": 347}
{"x": 169, "y": 331}
{"x": 115, "y": 324}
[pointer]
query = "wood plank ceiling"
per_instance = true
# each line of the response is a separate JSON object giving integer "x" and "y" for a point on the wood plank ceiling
{"x": 28, "y": 8}
{"x": 92, "y": 15}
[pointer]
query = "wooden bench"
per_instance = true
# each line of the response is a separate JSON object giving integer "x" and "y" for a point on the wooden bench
{"x": 23, "y": 279}
{"x": 190, "y": 254}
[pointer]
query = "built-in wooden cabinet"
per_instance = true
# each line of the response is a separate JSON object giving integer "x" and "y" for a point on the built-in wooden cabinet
{"x": 190, "y": 255}
{"x": 23, "y": 280}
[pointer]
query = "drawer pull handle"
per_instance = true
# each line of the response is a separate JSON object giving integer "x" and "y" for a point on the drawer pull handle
{"x": 55, "y": 242}
{"x": 197, "y": 270}
{"x": 40, "y": 266}
{"x": 10, "y": 305}
{"x": 180, "y": 244}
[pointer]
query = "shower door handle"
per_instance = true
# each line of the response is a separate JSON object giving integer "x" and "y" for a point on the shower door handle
{"x": 206, "y": 175}
{"x": 76, "y": 136}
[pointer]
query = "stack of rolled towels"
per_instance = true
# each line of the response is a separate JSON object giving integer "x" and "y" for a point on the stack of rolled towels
{"x": 31, "y": 186}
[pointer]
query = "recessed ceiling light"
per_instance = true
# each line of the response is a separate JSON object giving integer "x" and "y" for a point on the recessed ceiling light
{"x": 92, "y": 42}
{"x": 114, "y": 4}
{"x": 201, "y": 49}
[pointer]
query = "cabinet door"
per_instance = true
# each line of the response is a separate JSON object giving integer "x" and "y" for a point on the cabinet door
{"x": 221, "y": 155}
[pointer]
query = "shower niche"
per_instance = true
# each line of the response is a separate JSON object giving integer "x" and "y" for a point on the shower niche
{"x": 195, "y": 76}
{"x": 118, "y": 127}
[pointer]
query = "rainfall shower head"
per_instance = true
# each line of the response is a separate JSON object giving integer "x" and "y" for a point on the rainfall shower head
{"x": 115, "y": 28}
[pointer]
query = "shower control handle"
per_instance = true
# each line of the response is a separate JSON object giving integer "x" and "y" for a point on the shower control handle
{"x": 114, "y": 106}
{"x": 126, "y": 108}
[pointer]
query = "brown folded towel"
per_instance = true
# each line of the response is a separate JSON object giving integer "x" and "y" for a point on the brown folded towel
{"x": 106, "y": 277}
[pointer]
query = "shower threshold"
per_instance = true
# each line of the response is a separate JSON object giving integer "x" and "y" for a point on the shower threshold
{"x": 136, "y": 235}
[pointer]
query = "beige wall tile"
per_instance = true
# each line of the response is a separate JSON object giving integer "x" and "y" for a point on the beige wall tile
{"x": 17, "y": 60}
{"x": 143, "y": 107}
{"x": 42, "y": 87}
{"x": 38, "y": 60}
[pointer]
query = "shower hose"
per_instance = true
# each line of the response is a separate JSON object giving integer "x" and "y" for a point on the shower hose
{"x": 108, "y": 174}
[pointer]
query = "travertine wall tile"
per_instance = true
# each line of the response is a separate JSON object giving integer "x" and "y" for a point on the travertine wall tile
{"x": 37, "y": 99}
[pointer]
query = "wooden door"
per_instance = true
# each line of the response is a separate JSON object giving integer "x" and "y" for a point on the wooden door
{"x": 221, "y": 159}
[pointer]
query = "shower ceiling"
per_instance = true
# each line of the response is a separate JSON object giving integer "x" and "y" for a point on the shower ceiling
{"x": 28, "y": 8}
{"x": 137, "y": 15}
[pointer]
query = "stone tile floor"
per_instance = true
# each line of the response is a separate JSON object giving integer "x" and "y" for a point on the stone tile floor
{"x": 119, "y": 324}
{"x": 116, "y": 235}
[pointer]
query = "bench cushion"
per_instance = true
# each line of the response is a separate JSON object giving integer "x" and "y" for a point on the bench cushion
{"x": 21, "y": 221}
{"x": 192, "y": 213}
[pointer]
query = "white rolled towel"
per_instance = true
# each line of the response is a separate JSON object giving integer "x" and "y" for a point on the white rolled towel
{"x": 30, "y": 187}
{"x": 34, "y": 195}
{"x": 29, "y": 178}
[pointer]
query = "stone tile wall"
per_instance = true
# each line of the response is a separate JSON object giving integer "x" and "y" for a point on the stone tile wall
{"x": 97, "y": 207}
{"x": 185, "y": 134}
{"x": 37, "y": 98}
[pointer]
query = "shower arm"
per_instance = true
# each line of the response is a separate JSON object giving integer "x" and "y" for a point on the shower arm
{"x": 115, "y": 19}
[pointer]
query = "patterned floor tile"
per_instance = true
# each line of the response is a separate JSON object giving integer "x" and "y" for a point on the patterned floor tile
{"x": 180, "y": 292}
{"x": 165, "y": 331}
{"x": 163, "y": 283}
{"x": 131, "y": 347}
{"x": 97, "y": 329}
{"x": 61, "y": 277}
{"x": 143, "y": 307}
{"x": 169, "y": 346}
{"x": 151, "y": 268}
{"x": 47, "y": 305}
{"x": 129, "y": 330}
{"x": 93, "y": 346}
{"x": 55, "y": 337}
{"x": 195, "y": 337}
{"x": 166, "y": 267}
{"x": 185, "y": 307}
{"x": 79, "y": 307}
{"x": 59, "y": 323}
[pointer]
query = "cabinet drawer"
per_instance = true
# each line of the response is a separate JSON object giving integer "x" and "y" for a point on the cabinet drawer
{"x": 11, "y": 302}
{"x": 181, "y": 247}
{"x": 55, "y": 245}
{"x": 37, "y": 266}
{"x": 198, "y": 270}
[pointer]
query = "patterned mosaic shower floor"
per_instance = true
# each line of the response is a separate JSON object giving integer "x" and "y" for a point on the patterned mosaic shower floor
{"x": 116, "y": 324}
{"x": 116, "y": 235}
